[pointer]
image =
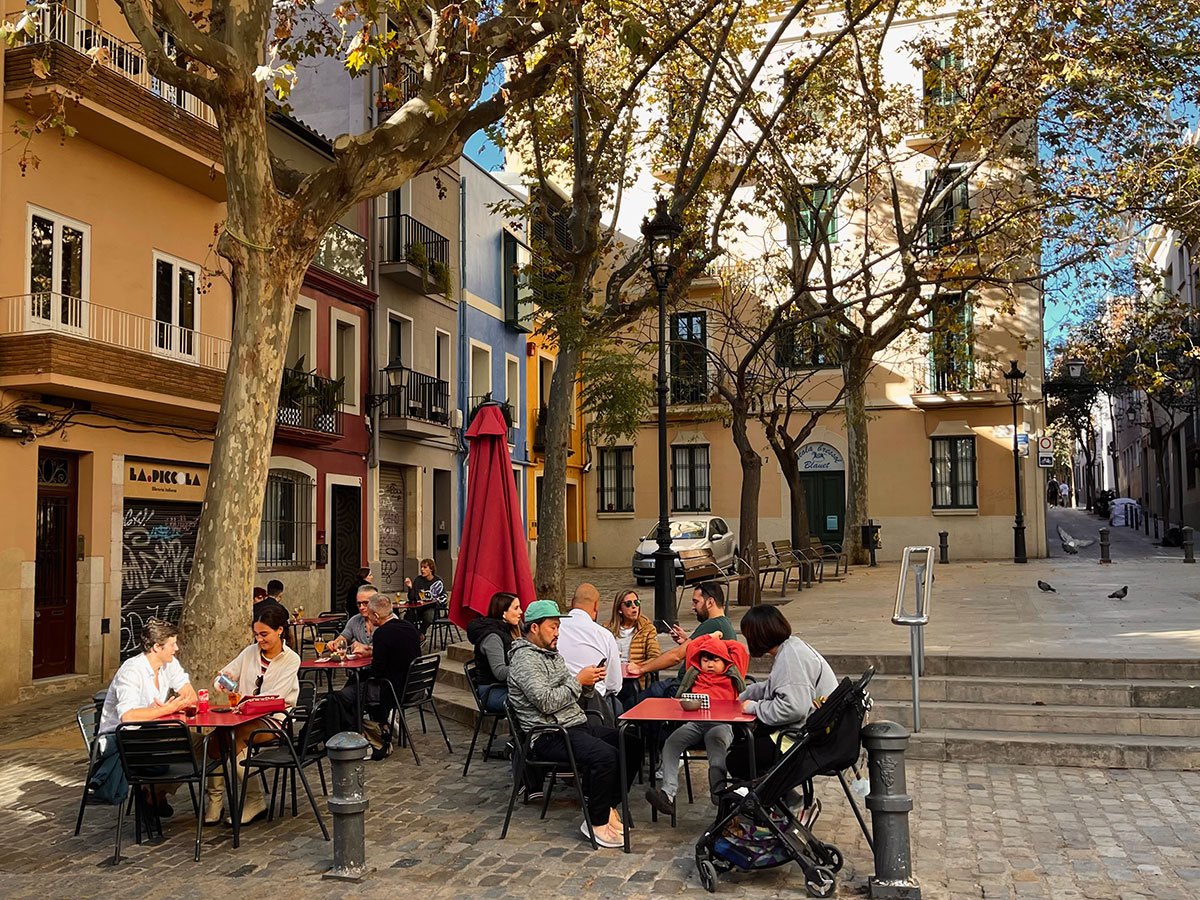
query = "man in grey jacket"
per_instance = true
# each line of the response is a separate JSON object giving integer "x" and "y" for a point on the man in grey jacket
{"x": 542, "y": 692}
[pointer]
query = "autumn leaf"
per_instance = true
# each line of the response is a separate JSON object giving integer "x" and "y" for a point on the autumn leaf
{"x": 39, "y": 67}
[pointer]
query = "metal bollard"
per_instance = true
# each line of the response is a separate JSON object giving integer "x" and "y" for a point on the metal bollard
{"x": 347, "y": 751}
{"x": 1156, "y": 526}
{"x": 1105, "y": 559}
{"x": 943, "y": 547}
{"x": 889, "y": 806}
{"x": 1189, "y": 550}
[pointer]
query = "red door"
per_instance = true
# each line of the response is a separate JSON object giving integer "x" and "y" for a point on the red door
{"x": 54, "y": 578}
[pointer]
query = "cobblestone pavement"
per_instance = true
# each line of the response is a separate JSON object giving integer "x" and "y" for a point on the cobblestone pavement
{"x": 987, "y": 831}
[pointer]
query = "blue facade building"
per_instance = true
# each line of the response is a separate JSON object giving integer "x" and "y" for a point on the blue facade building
{"x": 494, "y": 316}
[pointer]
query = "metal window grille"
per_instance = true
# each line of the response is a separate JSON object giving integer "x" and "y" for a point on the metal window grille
{"x": 954, "y": 482}
{"x": 285, "y": 539}
{"x": 616, "y": 479}
{"x": 692, "y": 488}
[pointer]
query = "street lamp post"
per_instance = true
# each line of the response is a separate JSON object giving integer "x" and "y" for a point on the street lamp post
{"x": 1014, "y": 377}
{"x": 661, "y": 234}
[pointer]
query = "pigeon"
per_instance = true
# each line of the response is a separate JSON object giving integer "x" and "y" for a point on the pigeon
{"x": 1119, "y": 595}
{"x": 1070, "y": 544}
{"x": 1046, "y": 588}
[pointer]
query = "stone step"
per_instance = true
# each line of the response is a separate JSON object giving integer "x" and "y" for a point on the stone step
{"x": 1054, "y": 749}
{"x": 1026, "y": 667}
{"x": 1128, "y": 693}
{"x": 1024, "y": 717}
{"x": 457, "y": 704}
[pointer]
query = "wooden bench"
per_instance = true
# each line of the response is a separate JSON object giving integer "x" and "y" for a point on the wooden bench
{"x": 768, "y": 565}
{"x": 701, "y": 565}
{"x": 806, "y": 563}
{"x": 833, "y": 552}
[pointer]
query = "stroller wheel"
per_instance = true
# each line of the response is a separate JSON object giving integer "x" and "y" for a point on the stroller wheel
{"x": 833, "y": 856}
{"x": 820, "y": 882}
{"x": 708, "y": 875}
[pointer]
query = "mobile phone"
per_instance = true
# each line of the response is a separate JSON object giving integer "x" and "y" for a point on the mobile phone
{"x": 665, "y": 626}
{"x": 602, "y": 664}
{"x": 172, "y": 694}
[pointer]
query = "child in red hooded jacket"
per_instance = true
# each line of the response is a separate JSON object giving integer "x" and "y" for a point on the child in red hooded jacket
{"x": 715, "y": 667}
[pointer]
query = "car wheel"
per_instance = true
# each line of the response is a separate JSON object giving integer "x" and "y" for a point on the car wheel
{"x": 733, "y": 562}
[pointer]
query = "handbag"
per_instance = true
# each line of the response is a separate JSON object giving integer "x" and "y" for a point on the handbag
{"x": 261, "y": 705}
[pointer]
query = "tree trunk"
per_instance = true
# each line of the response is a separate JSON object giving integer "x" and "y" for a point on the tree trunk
{"x": 550, "y": 580}
{"x": 748, "y": 506}
{"x": 799, "y": 500}
{"x": 855, "y": 368}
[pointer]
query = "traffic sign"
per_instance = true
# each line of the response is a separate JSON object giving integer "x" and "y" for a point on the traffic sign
{"x": 1045, "y": 460}
{"x": 1045, "y": 444}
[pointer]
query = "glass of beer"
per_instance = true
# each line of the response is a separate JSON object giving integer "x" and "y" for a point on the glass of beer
{"x": 319, "y": 646}
{"x": 234, "y": 698}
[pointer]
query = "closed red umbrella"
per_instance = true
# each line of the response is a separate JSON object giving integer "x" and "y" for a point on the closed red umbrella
{"x": 492, "y": 555}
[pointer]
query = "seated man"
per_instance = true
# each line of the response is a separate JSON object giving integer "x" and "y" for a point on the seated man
{"x": 708, "y": 603}
{"x": 356, "y": 636}
{"x": 543, "y": 692}
{"x": 582, "y": 642}
{"x": 395, "y": 644}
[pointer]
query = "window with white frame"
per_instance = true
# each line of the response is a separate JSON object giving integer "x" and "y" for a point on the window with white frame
{"x": 512, "y": 387}
{"x": 481, "y": 372}
{"x": 58, "y": 273}
{"x": 690, "y": 478}
{"x": 300, "y": 342}
{"x": 954, "y": 481}
{"x": 399, "y": 340}
{"x": 175, "y": 286}
{"x": 616, "y": 479}
{"x": 285, "y": 537}
{"x": 344, "y": 356}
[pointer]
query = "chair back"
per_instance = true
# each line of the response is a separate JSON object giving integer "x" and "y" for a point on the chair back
{"x": 315, "y": 732}
{"x": 147, "y": 748}
{"x": 422, "y": 675}
{"x": 514, "y": 727}
{"x": 88, "y": 719}
{"x": 306, "y": 699}
{"x": 470, "y": 671}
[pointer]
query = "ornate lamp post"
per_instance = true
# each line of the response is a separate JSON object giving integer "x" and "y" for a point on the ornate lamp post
{"x": 1014, "y": 377}
{"x": 661, "y": 234}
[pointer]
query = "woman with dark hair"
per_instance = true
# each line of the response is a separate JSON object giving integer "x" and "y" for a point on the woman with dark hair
{"x": 431, "y": 586}
{"x": 267, "y": 666}
{"x": 493, "y": 636}
{"x": 799, "y": 677}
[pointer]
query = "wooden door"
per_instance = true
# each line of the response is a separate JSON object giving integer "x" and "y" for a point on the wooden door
{"x": 55, "y": 567}
{"x": 825, "y": 493}
{"x": 345, "y": 553}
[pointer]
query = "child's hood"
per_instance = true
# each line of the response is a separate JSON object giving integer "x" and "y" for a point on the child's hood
{"x": 733, "y": 652}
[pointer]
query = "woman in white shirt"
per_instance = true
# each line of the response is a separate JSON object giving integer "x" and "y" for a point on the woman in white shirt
{"x": 268, "y": 666}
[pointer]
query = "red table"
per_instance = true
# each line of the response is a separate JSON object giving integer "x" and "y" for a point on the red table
{"x": 667, "y": 709}
{"x": 222, "y": 725}
{"x": 352, "y": 667}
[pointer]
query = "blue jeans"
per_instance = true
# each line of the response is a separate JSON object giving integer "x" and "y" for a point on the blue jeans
{"x": 493, "y": 697}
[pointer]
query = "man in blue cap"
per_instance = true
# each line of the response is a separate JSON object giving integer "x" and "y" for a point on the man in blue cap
{"x": 543, "y": 692}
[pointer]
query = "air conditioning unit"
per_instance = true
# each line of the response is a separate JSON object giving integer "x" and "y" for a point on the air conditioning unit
{"x": 456, "y": 419}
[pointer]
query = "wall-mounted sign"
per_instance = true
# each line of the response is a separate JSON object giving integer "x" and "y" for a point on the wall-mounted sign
{"x": 163, "y": 479}
{"x": 831, "y": 523}
{"x": 1022, "y": 444}
{"x": 820, "y": 457}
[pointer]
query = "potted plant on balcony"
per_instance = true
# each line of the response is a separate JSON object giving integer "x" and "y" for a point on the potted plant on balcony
{"x": 294, "y": 389}
{"x": 327, "y": 396}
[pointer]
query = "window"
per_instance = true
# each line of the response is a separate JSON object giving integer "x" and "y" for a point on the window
{"x": 344, "y": 356}
{"x": 175, "y": 285}
{"x": 689, "y": 360}
{"x": 285, "y": 538}
{"x": 817, "y": 214}
{"x": 690, "y": 478}
{"x": 518, "y": 292}
{"x": 954, "y": 485}
{"x": 399, "y": 340}
{"x": 942, "y": 87}
{"x": 950, "y": 214}
{"x": 481, "y": 373}
{"x": 443, "y": 357}
{"x": 512, "y": 387}
{"x": 950, "y": 344}
{"x": 616, "y": 479}
{"x": 58, "y": 269}
{"x": 803, "y": 345}
{"x": 300, "y": 343}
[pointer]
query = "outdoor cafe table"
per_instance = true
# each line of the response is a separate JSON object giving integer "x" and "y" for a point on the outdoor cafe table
{"x": 420, "y": 604}
{"x": 351, "y": 666}
{"x": 222, "y": 724}
{"x": 667, "y": 709}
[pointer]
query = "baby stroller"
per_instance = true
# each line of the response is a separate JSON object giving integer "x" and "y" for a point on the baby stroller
{"x": 756, "y": 829}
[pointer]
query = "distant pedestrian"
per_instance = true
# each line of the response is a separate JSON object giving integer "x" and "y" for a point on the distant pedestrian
{"x": 1065, "y": 490}
{"x": 1052, "y": 494}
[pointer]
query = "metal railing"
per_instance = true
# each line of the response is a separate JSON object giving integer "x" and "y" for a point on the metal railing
{"x": 918, "y": 618}
{"x": 947, "y": 378}
{"x": 311, "y": 402}
{"x": 689, "y": 388}
{"x": 64, "y": 25}
{"x": 402, "y": 234}
{"x": 343, "y": 252}
{"x": 539, "y": 431}
{"x": 47, "y": 311}
{"x": 417, "y": 396}
{"x": 404, "y": 78}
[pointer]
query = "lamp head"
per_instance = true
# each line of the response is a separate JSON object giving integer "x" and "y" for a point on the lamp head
{"x": 1075, "y": 367}
{"x": 1014, "y": 376}
{"x": 661, "y": 234}
{"x": 394, "y": 371}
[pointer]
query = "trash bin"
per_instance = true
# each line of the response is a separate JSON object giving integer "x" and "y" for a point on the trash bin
{"x": 870, "y": 537}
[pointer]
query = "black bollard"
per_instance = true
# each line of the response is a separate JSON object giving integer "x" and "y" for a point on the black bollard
{"x": 1105, "y": 559}
{"x": 1189, "y": 550}
{"x": 943, "y": 547}
{"x": 889, "y": 805}
{"x": 1156, "y": 526}
{"x": 347, "y": 805}
{"x": 1146, "y": 522}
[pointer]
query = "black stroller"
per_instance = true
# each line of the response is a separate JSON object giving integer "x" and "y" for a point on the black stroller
{"x": 755, "y": 828}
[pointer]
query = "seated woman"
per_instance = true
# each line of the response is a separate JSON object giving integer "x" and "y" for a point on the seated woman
{"x": 431, "y": 586}
{"x": 636, "y": 637}
{"x": 493, "y": 636}
{"x": 799, "y": 677}
{"x": 268, "y": 666}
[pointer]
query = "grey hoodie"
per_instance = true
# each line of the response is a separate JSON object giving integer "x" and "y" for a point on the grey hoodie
{"x": 541, "y": 689}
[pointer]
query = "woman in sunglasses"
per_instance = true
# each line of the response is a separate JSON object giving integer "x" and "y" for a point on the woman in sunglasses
{"x": 268, "y": 666}
{"x": 636, "y": 636}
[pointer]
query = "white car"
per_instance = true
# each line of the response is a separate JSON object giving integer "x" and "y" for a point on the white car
{"x": 687, "y": 533}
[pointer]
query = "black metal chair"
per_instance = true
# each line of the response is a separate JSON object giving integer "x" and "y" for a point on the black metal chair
{"x": 282, "y": 758}
{"x": 88, "y": 719}
{"x": 156, "y": 753}
{"x": 443, "y": 627}
{"x": 418, "y": 694}
{"x": 551, "y": 770}
{"x": 482, "y": 714}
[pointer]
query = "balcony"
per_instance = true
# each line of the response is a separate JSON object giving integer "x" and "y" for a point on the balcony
{"x": 944, "y": 384}
{"x": 412, "y": 402}
{"x": 506, "y": 410}
{"x": 539, "y": 431}
{"x": 113, "y": 100}
{"x": 310, "y": 407}
{"x": 415, "y": 255}
{"x": 64, "y": 345}
{"x": 343, "y": 252}
{"x": 405, "y": 84}
{"x": 688, "y": 390}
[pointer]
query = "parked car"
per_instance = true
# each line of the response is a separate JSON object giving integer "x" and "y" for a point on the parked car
{"x": 687, "y": 533}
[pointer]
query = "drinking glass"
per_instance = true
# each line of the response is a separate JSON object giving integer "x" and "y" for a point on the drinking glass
{"x": 319, "y": 646}
{"x": 234, "y": 698}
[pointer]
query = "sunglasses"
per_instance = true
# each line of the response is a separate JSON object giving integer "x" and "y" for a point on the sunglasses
{"x": 630, "y": 604}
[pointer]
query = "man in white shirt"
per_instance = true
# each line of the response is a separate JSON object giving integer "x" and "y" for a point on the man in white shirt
{"x": 582, "y": 642}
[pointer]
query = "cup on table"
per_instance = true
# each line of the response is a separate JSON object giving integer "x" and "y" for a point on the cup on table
{"x": 234, "y": 698}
